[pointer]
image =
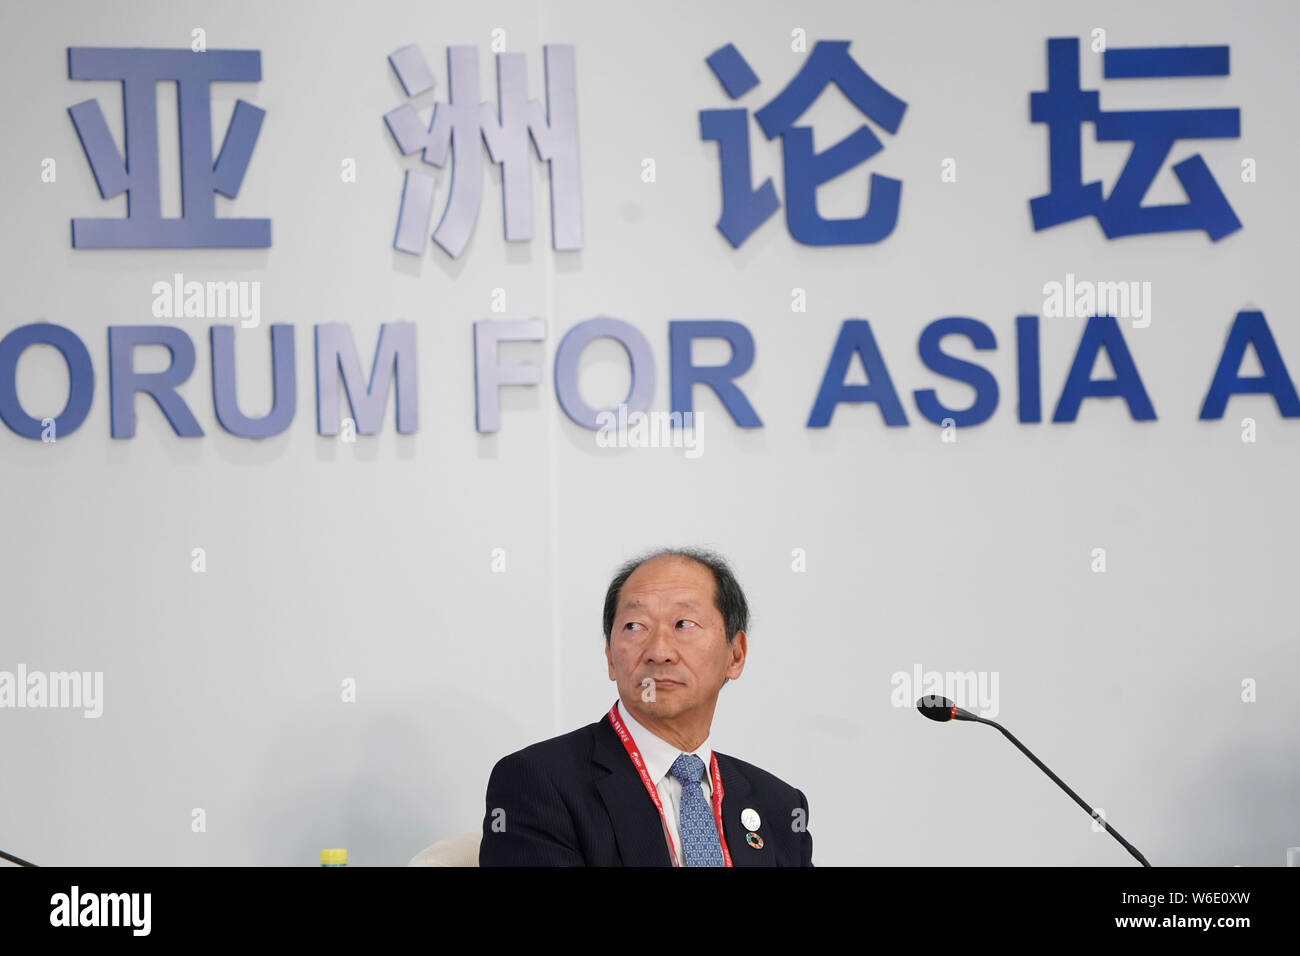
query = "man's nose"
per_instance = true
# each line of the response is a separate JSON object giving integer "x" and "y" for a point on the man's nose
{"x": 663, "y": 643}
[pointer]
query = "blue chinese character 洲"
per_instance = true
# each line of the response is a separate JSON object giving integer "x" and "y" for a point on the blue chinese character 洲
{"x": 457, "y": 126}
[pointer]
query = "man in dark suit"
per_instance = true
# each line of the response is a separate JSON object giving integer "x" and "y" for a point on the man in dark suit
{"x": 641, "y": 786}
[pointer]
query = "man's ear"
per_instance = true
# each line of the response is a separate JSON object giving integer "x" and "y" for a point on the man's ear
{"x": 609, "y": 662}
{"x": 739, "y": 651}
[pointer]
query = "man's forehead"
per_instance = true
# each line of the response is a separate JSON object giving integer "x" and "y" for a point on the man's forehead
{"x": 632, "y": 602}
{"x": 668, "y": 583}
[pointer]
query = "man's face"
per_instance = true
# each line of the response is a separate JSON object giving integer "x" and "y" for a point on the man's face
{"x": 667, "y": 628}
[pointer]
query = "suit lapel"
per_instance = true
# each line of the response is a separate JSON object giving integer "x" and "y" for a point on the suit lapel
{"x": 637, "y": 828}
{"x": 737, "y": 795}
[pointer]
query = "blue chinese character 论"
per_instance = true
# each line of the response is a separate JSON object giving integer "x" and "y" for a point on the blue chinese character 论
{"x": 1064, "y": 108}
{"x": 745, "y": 208}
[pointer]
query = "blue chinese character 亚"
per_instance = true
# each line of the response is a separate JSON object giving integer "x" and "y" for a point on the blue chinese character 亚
{"x": 140, "y": 71}
{"x": 1064, "y": 108}
{"x": 744, "y": 208}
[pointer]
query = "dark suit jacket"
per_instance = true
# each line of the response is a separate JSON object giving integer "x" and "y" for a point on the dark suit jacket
{"x": 577, "y": 800}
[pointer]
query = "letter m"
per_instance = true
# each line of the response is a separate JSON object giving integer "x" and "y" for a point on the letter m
{"x": 394, "y": 361}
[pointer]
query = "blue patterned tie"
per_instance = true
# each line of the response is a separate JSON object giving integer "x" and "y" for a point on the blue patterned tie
{"x": 699, "y": 832}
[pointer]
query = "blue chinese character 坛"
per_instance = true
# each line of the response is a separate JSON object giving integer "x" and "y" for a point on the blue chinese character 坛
{"x": 1064, "y": 107}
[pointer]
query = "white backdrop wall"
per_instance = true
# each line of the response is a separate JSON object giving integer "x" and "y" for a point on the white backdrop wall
{"x": 373, "y": 560}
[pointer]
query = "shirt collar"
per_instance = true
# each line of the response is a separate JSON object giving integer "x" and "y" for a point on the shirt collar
{"x": 658, "y": 754}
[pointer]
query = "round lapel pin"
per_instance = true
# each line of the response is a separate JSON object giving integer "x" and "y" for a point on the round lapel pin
{"x": 749, "y": 818}
{"x": 754, "y": 840}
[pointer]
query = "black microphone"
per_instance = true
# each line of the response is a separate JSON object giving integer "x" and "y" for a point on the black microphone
{"x": 942, "y": 709}
{"x": 13, "y": 859}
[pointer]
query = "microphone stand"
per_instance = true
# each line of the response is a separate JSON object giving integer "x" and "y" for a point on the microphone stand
{"x": 1059, "y": 782}
{"x": 13, "y": 859}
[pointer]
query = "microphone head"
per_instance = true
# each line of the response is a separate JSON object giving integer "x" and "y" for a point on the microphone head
{"x": 936, "y": 708}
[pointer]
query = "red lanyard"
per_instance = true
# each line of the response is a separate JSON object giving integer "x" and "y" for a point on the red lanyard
{"x": 630, "y": 745}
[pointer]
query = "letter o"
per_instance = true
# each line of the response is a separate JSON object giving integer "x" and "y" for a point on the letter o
{"x": 570, "y": 351}
{"x": 81, "y": 378}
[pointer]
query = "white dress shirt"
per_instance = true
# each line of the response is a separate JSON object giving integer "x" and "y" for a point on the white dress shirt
{"x": 658, "y": 755}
